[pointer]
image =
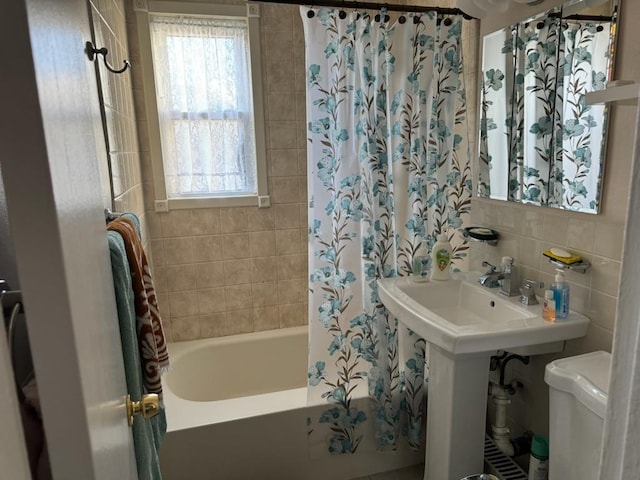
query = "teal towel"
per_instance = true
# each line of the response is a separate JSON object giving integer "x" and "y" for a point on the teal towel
{"x": 147, "y": 434}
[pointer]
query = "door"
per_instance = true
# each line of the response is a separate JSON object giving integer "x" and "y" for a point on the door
{"x": 48, "y": 162}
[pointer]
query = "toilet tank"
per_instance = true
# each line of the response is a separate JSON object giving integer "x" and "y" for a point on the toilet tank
{"x": 578, "y": 391}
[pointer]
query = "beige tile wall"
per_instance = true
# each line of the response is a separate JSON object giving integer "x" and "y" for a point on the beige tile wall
{"x": 108, "y": 18}
{"x": 223, "y": 271}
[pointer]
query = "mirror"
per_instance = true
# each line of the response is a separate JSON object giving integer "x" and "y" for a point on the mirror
{"x": 539, "y": 142}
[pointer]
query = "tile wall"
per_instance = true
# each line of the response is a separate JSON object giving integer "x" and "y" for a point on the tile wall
{"x": 223, "y": 271}
{"x": 109, "y": 25}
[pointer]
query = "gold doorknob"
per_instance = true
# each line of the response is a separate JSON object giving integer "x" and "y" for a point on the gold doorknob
{"x": 148, "y": 406}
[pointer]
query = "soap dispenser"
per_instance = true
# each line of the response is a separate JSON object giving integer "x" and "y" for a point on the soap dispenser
{"x": 560, "y": 289}
{"x": 441, "y": 258}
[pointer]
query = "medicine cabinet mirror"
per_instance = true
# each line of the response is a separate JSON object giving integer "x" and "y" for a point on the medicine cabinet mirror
{"x": 539, "y": 142}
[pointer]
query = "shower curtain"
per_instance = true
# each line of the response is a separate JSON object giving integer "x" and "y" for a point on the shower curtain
{"x": 388, "y": 171}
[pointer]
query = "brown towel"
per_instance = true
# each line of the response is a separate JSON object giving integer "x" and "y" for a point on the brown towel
{"x": 151, "y": 340}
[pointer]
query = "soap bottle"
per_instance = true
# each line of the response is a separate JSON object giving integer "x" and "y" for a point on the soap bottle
{"x": 549, "y": 306}
{"x": 421, "y": 265}
{"x": 441, "y": 258}
{"x": 560, "y": 289}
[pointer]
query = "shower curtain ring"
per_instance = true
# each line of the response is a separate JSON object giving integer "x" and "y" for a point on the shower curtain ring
{"x": 92, "y": 52}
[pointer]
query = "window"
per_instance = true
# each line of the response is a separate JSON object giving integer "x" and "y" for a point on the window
{"x": 209, "y": 119}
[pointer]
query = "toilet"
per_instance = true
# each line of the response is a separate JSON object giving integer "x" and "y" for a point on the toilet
{"x": 578, "y": 391}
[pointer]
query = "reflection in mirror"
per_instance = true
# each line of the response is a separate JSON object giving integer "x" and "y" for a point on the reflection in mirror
{"x": 534, "y": 108}
{"x": 497, "y": 104}
{"x": 585, "y": 67}
{"x": 540, "y": 143}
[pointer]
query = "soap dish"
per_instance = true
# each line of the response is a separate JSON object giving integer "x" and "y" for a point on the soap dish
{"x": 581, "y": 267}
{"x": 482, "y": 234}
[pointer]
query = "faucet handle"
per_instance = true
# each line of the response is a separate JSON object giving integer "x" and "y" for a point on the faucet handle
{"x": 490, "y": 268}
{"x": 532, "y": 284}
{"x": 528, "y": 291}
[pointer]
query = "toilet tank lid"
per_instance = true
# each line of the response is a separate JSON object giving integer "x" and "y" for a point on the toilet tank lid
{"x": 586, "y": 377}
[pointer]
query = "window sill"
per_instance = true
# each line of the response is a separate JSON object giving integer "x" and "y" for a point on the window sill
{"x": 260, "y": 201}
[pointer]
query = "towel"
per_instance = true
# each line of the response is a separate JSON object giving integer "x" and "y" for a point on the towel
{"x": 153, "y": 348}
{"x": 147, "y": 433}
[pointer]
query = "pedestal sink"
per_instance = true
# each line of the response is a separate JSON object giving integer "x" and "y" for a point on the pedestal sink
{"x": 465, "y": 324}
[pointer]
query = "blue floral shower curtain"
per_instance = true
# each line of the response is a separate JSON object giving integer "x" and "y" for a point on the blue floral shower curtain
{"x": 388, "y": 171}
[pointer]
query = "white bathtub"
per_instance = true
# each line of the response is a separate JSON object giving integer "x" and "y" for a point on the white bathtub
{"x": 237, "y": 410}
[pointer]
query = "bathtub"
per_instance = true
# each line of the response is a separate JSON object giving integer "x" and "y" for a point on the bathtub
{"x": 237, "y": 410}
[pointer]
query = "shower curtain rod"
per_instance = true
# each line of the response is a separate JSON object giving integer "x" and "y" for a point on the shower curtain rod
{"x": 392, "y": 7}
{"x": 587, "y": 18}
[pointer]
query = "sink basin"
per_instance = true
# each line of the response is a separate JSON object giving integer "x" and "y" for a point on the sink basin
{"x": 460, "y": 316}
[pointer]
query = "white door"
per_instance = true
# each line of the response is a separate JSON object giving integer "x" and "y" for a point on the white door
{"x": 49, "y": 108}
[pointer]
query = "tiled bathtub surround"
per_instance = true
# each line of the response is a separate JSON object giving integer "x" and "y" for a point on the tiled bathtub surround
{"x": 222, "y": 271}
{"x": 230, "y": 270}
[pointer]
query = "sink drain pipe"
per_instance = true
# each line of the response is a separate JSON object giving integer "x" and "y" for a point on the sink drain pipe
{"x": 500, "y": 431}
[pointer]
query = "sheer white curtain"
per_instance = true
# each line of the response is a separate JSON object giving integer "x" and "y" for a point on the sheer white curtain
{"x": 203, "y": 86}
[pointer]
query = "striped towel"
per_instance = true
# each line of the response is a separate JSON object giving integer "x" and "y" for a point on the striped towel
{"x": 154, "y": 357}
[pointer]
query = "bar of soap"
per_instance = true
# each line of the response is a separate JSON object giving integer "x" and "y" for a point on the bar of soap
{"x": 559, "y": 252}
{"x": 565, "y": 257}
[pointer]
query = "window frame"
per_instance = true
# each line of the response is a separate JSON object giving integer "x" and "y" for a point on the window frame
{"x": 251, "y": 12}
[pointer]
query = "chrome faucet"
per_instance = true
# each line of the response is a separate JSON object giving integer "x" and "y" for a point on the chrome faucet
{"x": 491, "y": 278}
{"x": 506, "y": 279}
